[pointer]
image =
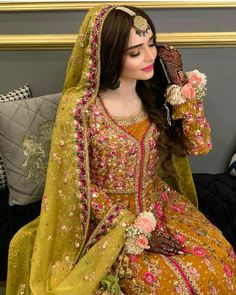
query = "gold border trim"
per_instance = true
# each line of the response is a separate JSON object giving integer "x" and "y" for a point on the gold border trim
{"x": 66, "y": 41}
{"x": 55, "y": 6}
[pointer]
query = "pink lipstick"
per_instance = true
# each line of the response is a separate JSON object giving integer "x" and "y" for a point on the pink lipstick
{"x": 148, "y": 68}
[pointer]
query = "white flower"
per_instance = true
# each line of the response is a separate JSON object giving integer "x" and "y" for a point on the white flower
{"x": 173, "y": 95}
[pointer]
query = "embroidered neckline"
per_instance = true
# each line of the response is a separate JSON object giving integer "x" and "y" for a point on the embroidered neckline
{"x": 125, "y": 120}
{"x": 117, "y": 124}
{"x": 130, "y": 120}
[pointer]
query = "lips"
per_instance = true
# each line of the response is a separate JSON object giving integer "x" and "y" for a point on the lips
{"x": 148, "y": 68}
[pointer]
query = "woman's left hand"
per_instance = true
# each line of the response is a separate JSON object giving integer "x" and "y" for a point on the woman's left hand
{"x": 164, "y": 243}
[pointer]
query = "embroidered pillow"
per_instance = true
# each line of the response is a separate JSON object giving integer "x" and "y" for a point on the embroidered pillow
{"x": 25, "y": 136}
{"x": 232, "y": 166}
{"x": 16, "y": 94}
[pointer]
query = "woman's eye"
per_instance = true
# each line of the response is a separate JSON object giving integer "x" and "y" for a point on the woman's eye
{"x": 134, "y": 54}
{"x": 153, "y": 44}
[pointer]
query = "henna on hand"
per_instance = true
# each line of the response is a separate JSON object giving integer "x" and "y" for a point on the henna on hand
{"x": 164, "y": 243}
{"x": 172, "y": 61}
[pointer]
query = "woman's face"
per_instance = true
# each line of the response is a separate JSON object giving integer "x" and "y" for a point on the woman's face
{"x": 139, "y": 57}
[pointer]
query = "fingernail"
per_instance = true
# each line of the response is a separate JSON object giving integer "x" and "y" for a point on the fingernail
{"x": 180, "y": 252}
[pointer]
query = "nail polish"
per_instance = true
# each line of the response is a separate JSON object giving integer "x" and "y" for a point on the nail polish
{"x": 180, "y": 252}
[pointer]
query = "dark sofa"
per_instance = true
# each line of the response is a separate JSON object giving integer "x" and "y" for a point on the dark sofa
{"x": 217, "y": 200}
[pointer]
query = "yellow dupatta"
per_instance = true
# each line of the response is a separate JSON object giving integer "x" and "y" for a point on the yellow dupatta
{"x": 62, "y": 228}
{"x": 59, "y": 265}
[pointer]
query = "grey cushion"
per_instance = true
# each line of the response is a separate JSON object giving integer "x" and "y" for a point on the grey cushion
{"x": 232, "y": 166}
{"x": 25, "y": 136}
{"x": 16, "y": 94}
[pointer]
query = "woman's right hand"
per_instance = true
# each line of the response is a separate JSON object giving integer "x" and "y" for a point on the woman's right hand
{"x": 164, "y": 243}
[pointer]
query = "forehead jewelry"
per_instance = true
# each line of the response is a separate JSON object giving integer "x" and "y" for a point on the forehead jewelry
{"x": 140, "y": 23}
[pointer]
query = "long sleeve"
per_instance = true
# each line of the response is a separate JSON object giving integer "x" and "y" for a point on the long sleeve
{"x": 195, "y": 126}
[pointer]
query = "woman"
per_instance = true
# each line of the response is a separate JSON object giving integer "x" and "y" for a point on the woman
{"x": 106, "y": 214}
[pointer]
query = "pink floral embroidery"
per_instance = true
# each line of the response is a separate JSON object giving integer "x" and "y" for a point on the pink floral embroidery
{"x": 179, "y": 289}
{"x": 142, "y": 242}
{"x": 209, "y": 264}
{"x": 96, "y": 206}
{"x": 199, "y": 251}
{"x": 194, "y": 272}
{"x": 181, "y": 238}
{"x": 227, "y": 270}
{"x": 232, "y": 254}
{"x": 133, "y": 258}
{"x": 158, "y": 210}
{"x": 213, "y": 290}
{"x": 149, "y": 277}
{"x": 164, "y": 196}
{"x": 179, "y": 209}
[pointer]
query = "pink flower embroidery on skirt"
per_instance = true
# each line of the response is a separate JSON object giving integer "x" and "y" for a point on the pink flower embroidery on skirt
{"x": 199, "y": 251}
{"x": 149, "y": 277}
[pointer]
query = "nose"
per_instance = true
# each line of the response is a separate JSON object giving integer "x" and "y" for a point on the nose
{"x": 150, "y": 54}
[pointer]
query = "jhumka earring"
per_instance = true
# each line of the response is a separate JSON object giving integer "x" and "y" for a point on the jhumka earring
{"x": 140, "y": 23}
{"x": 115, "y": 85}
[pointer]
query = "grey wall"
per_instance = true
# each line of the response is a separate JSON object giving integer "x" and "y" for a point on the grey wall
{"x": 45, "y": 70}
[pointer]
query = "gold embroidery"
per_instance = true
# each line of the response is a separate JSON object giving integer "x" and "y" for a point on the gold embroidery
{"x": 180, "y": 281}
{"x": 130, "y": 120}
{"x": 36, "y": 151}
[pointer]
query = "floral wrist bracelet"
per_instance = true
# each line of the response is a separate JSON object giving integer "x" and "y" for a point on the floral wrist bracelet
{"x": 137, "y": 234}
{"x": 195, "y": 88}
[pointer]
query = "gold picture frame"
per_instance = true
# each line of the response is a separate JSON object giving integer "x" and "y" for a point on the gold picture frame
{"x": 9, "y": 6}
{"x": 66, "y": 41}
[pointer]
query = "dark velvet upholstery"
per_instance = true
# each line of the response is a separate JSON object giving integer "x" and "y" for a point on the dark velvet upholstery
{"x": 217, "y": 200}
{"x": 12, "y": 218}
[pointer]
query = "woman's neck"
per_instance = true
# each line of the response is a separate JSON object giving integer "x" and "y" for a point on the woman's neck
{"x": 126, "y": 91}
{"x": 123, "y": 101}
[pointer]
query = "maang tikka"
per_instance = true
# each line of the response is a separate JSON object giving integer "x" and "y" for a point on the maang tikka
{"x": 139, "y": 23}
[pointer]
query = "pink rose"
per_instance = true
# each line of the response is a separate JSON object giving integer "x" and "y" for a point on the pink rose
{"x": 142, "y": 242}
{"x": 199, "y": 251}
{"x": 195, "y": 80}
{"x": 187, "y": 91}
{"x": 149, "y": 277}
{"x": 227, "y": 270}
{"x": 144, "y": 223}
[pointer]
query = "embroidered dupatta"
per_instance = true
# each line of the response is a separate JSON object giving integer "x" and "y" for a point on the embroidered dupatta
{"x": 59, "y": 264}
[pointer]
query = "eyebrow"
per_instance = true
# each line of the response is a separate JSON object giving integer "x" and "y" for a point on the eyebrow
{"x": 138, "y": 45}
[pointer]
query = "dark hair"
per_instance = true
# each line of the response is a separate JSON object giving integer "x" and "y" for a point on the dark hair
{"x": 115, "y": 36}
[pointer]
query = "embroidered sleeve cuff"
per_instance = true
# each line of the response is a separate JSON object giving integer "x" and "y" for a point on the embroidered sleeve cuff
{"x": 195, "y": 126}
